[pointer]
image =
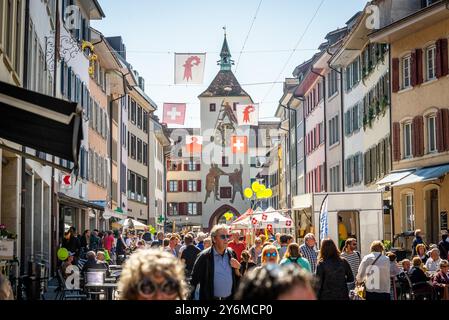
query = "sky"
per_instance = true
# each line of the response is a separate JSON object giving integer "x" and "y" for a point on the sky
{"x": 262, "y": 36}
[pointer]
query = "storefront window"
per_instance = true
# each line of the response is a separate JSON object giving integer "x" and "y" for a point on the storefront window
{"x": 409, "y": 212}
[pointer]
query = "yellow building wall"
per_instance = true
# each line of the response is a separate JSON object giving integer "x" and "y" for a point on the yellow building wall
{"x": 421, "y": 202}
{"x": 96, "y": 141}
{"x": 417, "y": 101}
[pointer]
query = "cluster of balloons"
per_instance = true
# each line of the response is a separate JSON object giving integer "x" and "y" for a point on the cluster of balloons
{"x": 261, "y": 191}
{"x": 228, "y": 216}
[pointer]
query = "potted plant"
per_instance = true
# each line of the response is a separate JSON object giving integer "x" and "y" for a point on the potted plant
{"x": 383, "y": 105}
{"x": 387, "y": 245}
{"x": 370, "y": 116}
{"x": 365, "y": 122}
{"x": 5, "y": 234}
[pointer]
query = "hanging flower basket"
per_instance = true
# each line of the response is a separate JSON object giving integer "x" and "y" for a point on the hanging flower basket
{"x": 5, "y": 234}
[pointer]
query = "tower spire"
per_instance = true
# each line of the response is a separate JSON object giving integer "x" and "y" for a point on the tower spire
{"x": 225, "y": 62}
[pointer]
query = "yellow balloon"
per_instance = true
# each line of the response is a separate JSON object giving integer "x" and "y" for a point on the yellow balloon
{"x": 255, "y": 186}
{"x": 262, "y": 188}
{"x": 260, "y": 195}
{"x": 248, "y": 193}
{"x": 268, "y": 193}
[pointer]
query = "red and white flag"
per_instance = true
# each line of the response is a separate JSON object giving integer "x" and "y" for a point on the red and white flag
{"x": 239, "y": 144}
{"x": 194, "y": 144}
{"x": 174, "y": 113}
{"x": 248, "y": 115}
{"x": 189, "y": 68}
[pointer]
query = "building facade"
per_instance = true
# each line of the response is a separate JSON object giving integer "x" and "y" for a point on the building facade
{"x": 420, "y": 119}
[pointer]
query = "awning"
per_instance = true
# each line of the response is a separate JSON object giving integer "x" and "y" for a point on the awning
{"x": 73, "y": 202}
{"x": 41, "y": 122}
{"x": 424, "y": 175}
{"x": 395, "y": 176}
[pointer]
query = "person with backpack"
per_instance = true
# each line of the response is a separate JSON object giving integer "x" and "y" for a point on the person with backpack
{"x": 353, "y": 257}
{"x": 292, "y": 255}
{"x": 374, "y": 271}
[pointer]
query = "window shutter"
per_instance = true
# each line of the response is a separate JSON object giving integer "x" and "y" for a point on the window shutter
{"x": 415, "y": 137}
{"x": 360, "y": 159}
{"x": 318, "y": 173}
{"x": 179, "y": 186}
{"x": 444, "y": 57}
{"x": 418, "y": 127}
{"x": 198, "y": 167}
{"x": 182, "y": 209}
{"x": 168, "y": 186}
{"x": 186, "y": 167}
{"x": 413, "y": 69}
{"x": 445, "y": 115}
{"x": 396, "y": 141}
{"x": 439, "y": 131}
{"x": 185, "y": 183}
{"x": 179, "y": 167}
{"x": 419, "y": 66}
{"x": 438, "y": 59}
{"x": 198, "y": 185}
{"x": 199, "y": 208}
{"x": 395, "y": 81}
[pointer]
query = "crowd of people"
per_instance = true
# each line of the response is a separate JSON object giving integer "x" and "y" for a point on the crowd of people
{"x": 221, "y": 266}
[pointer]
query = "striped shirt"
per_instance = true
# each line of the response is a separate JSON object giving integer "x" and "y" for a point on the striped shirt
{"x": 310, "y": 254}
{"x": 354, "y": 260}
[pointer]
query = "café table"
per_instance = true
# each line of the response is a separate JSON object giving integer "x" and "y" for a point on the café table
{"x": 107, "y": 287}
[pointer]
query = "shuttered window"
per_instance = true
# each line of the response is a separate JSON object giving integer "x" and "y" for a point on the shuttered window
{"x": 407, "y": 139}
{"x": 431, "y": 63}
{"x": 431, "y": 134}
{"x": 406, "y": 72}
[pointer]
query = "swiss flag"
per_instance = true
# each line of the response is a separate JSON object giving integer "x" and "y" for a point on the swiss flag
{"x": 270, "y": 228}
{"x": 174, "y": 113}
{"x": 194, "y": 144}
{"x": 254, "y": 221}
{"x": 239, "y": 144}
{"x": 264, "y": 217}
{"x": 288, "y": 223}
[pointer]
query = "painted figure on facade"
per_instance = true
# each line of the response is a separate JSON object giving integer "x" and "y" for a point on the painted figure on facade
{"x": 213, "y": 181}
{"x": 235, "y": 179}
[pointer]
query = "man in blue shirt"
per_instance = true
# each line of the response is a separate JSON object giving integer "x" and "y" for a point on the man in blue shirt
{"x": 216, "y": 269}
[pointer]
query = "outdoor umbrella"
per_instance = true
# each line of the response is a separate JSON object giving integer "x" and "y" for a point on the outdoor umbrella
{"x": 132, "y": 224}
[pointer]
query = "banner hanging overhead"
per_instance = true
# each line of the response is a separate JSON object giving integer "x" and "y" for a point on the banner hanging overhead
{"x": 248, "y": 115}
{"x": 189, "y": 68}
{"x": 194, "y": 144}
{"x": 174, "y": 113}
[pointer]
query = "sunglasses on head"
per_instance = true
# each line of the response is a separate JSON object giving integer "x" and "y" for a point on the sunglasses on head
{"x": 169, "y": 287}
{"x": 224, "y": 236}
{"x": 271, "y": 254}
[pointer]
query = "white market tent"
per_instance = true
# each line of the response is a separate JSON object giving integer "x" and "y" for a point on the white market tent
{"x": 132, "y": 224}
{"x": 262, "y": 219}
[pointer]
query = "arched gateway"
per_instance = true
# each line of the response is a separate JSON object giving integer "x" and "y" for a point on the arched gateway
{"x": 215, "y": 217}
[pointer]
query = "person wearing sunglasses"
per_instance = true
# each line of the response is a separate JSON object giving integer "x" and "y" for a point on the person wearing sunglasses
{"x": 270, "y": 255}
{"x": 276, "y": 282}
{"x": 151, "y": 274}
{"x": 216, "y": 269}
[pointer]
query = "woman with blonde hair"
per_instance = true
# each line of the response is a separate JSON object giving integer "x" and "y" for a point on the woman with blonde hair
{"x": 270, "y": 255}
{"x": 292, "y": 255}
{"x": 153, "y": 275}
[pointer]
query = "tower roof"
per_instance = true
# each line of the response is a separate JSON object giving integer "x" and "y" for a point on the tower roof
{"x": 225, "y": 84}
{"x": 225, "y": 52}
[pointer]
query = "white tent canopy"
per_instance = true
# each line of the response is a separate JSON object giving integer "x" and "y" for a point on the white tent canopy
{"x": 132, "y": 224}
{"x": 262, "y": 219}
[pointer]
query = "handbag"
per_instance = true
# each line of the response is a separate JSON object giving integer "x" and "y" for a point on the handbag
{"x": 360, "y": 289}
